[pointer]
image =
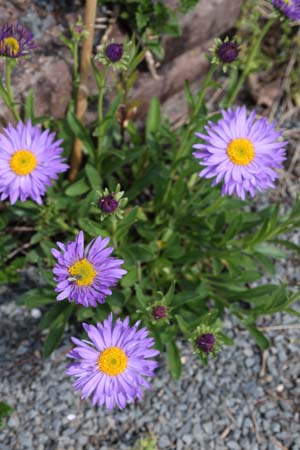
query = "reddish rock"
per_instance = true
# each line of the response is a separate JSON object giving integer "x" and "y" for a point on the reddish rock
{"x": 48, "y": 72}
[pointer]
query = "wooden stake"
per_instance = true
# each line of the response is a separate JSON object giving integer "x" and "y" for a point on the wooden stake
{"x": 82, "y": 94}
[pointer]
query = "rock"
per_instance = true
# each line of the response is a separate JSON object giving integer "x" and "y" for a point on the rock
{"x": 48, "y": 72}
{"x": 163, "y": 442}
{"x": 197, "y": 432}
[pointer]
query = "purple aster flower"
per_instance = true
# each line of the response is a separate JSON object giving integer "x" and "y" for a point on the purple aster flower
{"x": 242, "y": 152}
{"x": 206, "y": 342}
{"x": 113, "y": 363}
{"x": 228, "y": 52}
{"x": 15, "y": 41}
{"x": 289, "y": 8}
{"x": 108, "y": 204}
{"x": 85, "y": 275}
{"x": 114, "y": 52}
{"x": 29, "y": 159}
{"x": 159, "y": 312}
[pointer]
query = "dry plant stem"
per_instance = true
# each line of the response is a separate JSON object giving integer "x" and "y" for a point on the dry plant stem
{"x": 82, "y": 94}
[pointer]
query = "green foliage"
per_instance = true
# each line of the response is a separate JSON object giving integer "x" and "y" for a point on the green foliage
{"x": 5, "y": 411}
{"x": 146, "y": 443}
{"x": 151, "y": 20}
{"x": 184, "y": 246}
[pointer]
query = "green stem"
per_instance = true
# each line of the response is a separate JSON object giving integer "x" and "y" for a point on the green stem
{"x": 101, "y": 87}
{"x": 247, "y": 68}
{"x": 190, "y": 129}
{"x": 199, "y": 102}
{"x": 75, "y": 63}
{"x": 205, "y": 85}
{"x": 10, "y": 64}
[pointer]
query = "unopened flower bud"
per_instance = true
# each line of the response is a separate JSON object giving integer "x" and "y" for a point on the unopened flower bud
{"x": 228, "y": 52}
{"x": 114, "y": 52}
{"x": 108, "y": 204}
{"x": 159, "y": 312}
{"x": 206, "y": 342}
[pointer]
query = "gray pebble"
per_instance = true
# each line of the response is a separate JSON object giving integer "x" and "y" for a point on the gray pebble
{"x": 163, "y": 442}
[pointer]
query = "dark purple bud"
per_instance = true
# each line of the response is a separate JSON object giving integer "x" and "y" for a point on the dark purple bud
{"x": 78, "y": 29}
{"x": 114, "y": 52}
{"x": 206, "y": 342}
{"x": 108, "y": 204}
{"x": 228, "y": 52}
{"x": 159, "y": 312}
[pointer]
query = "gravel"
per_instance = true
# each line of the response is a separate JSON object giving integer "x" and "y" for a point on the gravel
{"x": 231, "y": 404}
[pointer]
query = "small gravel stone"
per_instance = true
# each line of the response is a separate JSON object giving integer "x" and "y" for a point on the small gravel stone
{"x": 163, "y": 441}
{"x": 36, "y": 313}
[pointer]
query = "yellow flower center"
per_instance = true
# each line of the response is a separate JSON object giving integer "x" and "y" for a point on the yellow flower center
{"x": 112, "y": 361}
{"x": 11, "y": 43}
{"x": 83, "y": 271}
{"x": 241, "y": 151}
{"x": 23, "y": 162}
{"x": 287, "y": 2}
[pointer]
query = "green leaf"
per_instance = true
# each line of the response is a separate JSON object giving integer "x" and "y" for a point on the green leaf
{"x": 5, "y": 411}
{"x": 91, "y": 227}
{"x": 52, "y": 314}
{"x": 188, "y": 94}
{"x": 170, "y": 294}
{"x": 126, "y": 223}
{"x": 153, "y": 117}
{"x": 78, "y": 188}
{"x": 258, "y": 336}
{"x": 174, "y": 359}
{"x": 56, "y": 330}
{"x": 37, "y": 297}
{"x": 81, "y": 133}
{"x": 141, "y": 298}
{"x": 270, "y": 251}
{"x": 93, "y": 176}
{"x": 54, "y": 337}
{"x": 182, "y": 325}
{"x": 29, "y": 105}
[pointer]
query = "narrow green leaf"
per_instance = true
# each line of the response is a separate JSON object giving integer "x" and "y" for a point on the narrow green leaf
{"x": 78, "y": 188}
{"x": 37, "y": 297}
{"x": 54, "y": 337}
{"x": 153, "y": 118}
{"x": 174, "y": 359}
{"x": 91, "y": 227}
{"x": 81, "y": 133}
{"x": 189, "y": 95}
{"x": 170, "y": 294}
{"x": 258, "y": 336}
{"x": 93, "y": 176}
{"x": 56, "y": 330}
{"x": 29, "y": 105}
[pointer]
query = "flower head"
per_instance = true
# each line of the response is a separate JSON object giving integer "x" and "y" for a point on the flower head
{"x": 108, "y": 203}
{"x": 159, "y": 312}
{"x": 208, "y": 338}
{"x": 114, "y": 55}
{"x": 29, "y": 159}
{"x": 113, "y": 363}
{"x": 228, "y": 52}
{"x": 111, "y": 204}
{"x": 241, "y": 151}
{"x": 289, "y": 8}
{"x": 15, "y": 41}
{"x": 206, "y": 342}
{"x": 85, "y": 275}
{"x": 114, "y": 52}
{"x": 225, "y": 52}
